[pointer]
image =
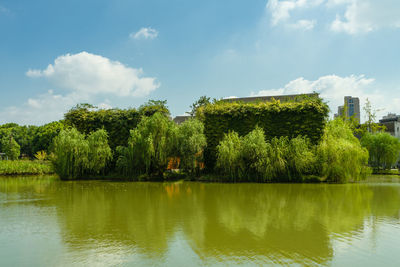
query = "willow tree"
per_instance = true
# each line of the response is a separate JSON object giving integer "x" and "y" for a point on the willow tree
{"x": 229, "y": 160}
{"x": 70, "y": 154}
{"x": 73, "y": 156}
{"x": 190, "y": 144}
{"x": 254, "y": 155}
{"x": 340, "y": 155}
{"x": 99, "y": 151}
{"x": 149, "y": 147}
{"x": 383, "y": 149}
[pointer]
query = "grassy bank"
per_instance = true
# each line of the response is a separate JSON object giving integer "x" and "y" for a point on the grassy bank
{"x": 386, "y": 172}
{"x": 25, "y": 167}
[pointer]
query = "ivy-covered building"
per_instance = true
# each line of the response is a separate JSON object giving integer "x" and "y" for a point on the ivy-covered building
{"x": 281, "y": 98}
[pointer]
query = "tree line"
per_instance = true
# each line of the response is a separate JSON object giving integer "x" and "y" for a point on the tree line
{"x": 140, "y": 143}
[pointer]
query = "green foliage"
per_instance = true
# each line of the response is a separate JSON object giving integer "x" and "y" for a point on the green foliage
{"x": 41, "y": 155}
{"x": 117, "y": 122}
{"x": 44, "y": 135}
{"x": 202, "y": 101}
{"x": 370, "y": 125}
{"x": 74, "y": 156}
{"x": 154, "y": 106}
{"x": 70, "y": 154}
{"x": 149, "y": 147}
{"x": 23, "y": 167}
{"x": 251, "y": 158}
{"x": 99, "y": 151}
{"x": 229, "y": 156}
{"x": 383, "y": 150}
{"x": 338, "y": 158}
{"x": 31, "y": 138}
{"x": 190, "y": 144}
{"x": 305, "y": 117}
{"x": 23, "y": 135}
{"x": 340, "y": 155}
{"x": 10, "y": 147}
{"x": 290, "y": 159}
{"x": 300, "y": 158}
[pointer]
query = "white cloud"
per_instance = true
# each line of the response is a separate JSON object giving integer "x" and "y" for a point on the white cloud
{"x": 359, "y": 16}
{"x": 41, "y": 109}
{"x": 333, "y": 88}
{"x": 104, "y": 106}
{"x": 366, "y": 16}
{"x": 93, "y": 74}
{"x": 86, "y": 78}
{"x": 46, "y": 107}
{"x": 280, "y": 10}
{"x": 144, "y": 33}
{"x": 303, "y": 24}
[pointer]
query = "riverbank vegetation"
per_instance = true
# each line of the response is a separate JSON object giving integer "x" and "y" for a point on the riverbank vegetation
{"x": 339, "y": 157}
{"x": 231, "y": 142}
{"x": 383, "y": 150}
{"x": 75, "y": 156}
{"x": 25, "y": 167}
{"x": 304, "y": 116}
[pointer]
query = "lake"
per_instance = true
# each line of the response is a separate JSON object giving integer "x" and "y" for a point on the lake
{"x": 47, "y": 222}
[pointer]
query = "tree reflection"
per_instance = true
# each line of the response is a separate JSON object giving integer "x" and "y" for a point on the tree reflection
{"x": 283, "y": 222}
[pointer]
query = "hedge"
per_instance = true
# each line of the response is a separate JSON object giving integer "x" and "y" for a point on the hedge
{"x": 305, "y": 117}
{"x": 117, "y": 122}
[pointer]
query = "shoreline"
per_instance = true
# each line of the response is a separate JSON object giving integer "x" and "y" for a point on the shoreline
{"x": 200, "y": 179}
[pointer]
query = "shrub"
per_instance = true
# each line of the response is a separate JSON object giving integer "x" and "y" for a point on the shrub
{"x": 117, "y": 122}
{"x": 41, "y": 155}
{"x": 24, "y": 167}
{"x": 340, "y": 155}
{"x": 383, "y": 149}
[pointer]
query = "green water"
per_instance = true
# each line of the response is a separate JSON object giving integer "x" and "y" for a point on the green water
{"x": 46, "y": 222}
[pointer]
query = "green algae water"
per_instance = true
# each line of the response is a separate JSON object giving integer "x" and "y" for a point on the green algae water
{"x": 47, "y": 222}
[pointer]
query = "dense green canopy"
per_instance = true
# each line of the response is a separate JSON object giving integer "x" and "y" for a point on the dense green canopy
{"x": 383, "y": 149}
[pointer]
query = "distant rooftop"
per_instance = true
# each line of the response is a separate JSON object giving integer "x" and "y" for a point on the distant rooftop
{"x": 180, "y": 119}
{"x": 390, "y": 117}
{"x": 282, "y": 98}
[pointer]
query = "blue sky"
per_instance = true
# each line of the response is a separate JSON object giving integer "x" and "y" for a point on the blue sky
{"x": 119, "y": 53}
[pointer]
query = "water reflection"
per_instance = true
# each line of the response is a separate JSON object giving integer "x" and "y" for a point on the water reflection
{"x": 280, "y": 223}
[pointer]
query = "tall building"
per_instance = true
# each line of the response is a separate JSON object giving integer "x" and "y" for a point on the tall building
{"x": 351, "y": 107}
